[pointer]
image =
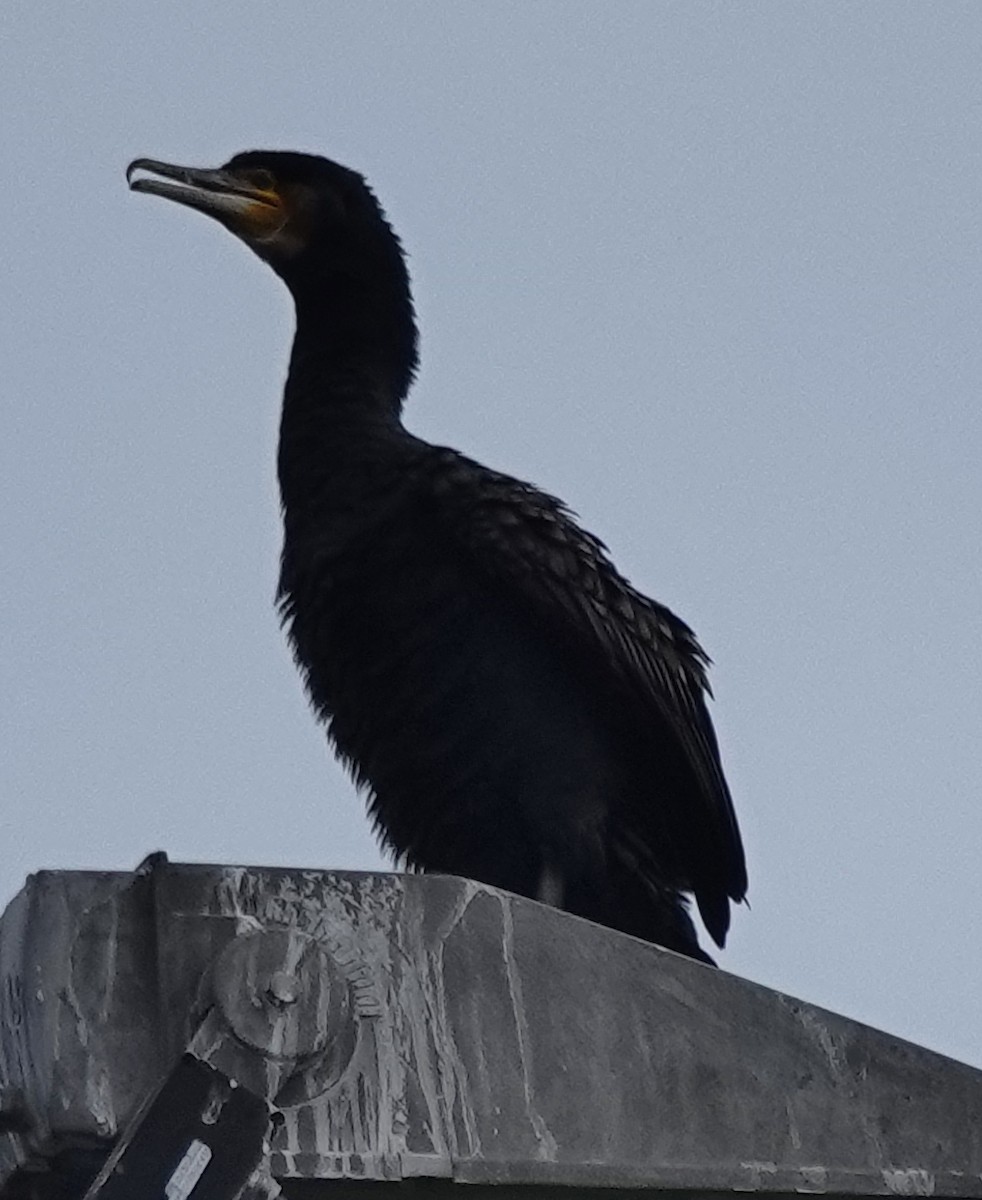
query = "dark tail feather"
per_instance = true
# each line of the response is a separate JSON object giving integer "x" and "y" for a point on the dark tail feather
{"x": 641, "y": 908}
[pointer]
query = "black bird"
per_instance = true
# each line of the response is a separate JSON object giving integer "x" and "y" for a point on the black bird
{"x": 515, "y": 710}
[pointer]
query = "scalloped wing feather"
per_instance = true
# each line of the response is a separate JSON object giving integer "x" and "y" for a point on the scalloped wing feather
{"x": 516, "y": 532}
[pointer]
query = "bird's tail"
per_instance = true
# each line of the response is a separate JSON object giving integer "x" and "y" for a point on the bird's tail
{"x": 634, "y": 900}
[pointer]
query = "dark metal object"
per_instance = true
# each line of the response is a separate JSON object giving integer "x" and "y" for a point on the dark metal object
{"x": 201, "y": 1134}
{"x": 431, "y": 1028}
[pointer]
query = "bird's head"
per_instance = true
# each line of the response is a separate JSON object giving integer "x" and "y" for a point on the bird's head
{"x": 319, "y": 227}
{"x": 289, "y": 208}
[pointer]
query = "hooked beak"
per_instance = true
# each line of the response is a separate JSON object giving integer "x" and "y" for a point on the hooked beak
{"x": 246, "y": 208}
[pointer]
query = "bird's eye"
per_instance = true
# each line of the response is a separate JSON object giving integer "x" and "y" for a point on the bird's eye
{"x": 261, "y": 179}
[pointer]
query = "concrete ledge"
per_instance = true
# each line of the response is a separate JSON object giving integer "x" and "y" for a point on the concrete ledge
{"x": 442, "y": 1030}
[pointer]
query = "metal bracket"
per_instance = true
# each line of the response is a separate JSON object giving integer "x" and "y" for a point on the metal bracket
{"x": 278, "y": 1003}
{"x": 200, "y": 1135}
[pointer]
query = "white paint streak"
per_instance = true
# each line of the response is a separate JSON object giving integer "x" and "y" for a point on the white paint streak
{"x": 760, "y": 1175}
{"x": 912, "y": 1181}
{"x": 547, "y": 1147}
{"x": 814, "y": 1181}
{"x": 819, "y": 1031}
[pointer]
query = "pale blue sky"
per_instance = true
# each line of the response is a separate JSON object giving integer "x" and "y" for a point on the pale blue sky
{"x": 712, "y": 272}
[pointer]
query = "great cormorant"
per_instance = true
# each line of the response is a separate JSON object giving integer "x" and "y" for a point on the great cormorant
{"x": 515, "y": 710}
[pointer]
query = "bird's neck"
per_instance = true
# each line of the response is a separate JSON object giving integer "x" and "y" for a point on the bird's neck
{"x": 355, "y": 329}
{"x": 341, "y": 414}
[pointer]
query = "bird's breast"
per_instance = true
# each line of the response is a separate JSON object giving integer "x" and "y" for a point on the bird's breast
{"x": 438, "y": 686}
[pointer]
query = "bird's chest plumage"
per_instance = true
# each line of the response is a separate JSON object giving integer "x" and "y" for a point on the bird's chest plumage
{"x": 442, "y": 693}
{"x": 395, "y": 634}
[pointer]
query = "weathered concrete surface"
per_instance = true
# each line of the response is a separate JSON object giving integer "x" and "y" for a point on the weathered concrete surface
{"x": 441, "y": 1029}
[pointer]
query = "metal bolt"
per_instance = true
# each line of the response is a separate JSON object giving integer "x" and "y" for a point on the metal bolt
{"x": 283, "y": 989}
